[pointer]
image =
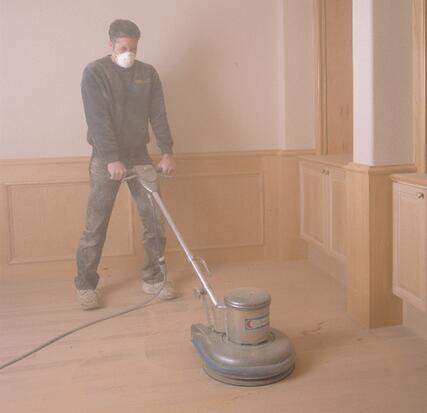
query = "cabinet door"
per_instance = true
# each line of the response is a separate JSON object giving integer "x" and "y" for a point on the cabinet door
{"x": 314, "y": 200}
{"x": 337, "y": 213}
{"x": 409, "y": 244}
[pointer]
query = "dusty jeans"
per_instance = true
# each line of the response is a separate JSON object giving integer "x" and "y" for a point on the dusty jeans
{"x": 103, "y": 192}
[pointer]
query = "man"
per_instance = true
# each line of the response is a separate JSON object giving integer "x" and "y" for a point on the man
{"x": 121, "y": 96}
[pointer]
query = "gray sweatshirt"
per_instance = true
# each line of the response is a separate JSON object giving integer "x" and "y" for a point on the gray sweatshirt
{"x": 118, "y": 105}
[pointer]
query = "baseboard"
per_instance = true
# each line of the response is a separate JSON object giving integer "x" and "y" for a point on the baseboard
{"x": 415, "y": 320}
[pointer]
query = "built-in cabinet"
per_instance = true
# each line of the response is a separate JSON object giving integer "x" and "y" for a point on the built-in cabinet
{"x": 323, "y": 204}
{"x": 410, "y": 239}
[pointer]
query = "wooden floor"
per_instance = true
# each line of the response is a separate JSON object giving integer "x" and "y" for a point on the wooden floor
{"x": 144, "y": 361}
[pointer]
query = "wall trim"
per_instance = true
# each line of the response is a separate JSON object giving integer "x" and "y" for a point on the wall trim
{"x": 79, "y": 159}
{"x": 44, "y": 161}
{"x": 188, "y": 155}
{"x": 296, "y": 152}
{"x": 380, "y": 169}
{"x": 46, "y": 182}
{"x": 207, "y": 175}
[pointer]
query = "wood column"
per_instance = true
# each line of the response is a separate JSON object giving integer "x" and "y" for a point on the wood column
{"x": 369, "y": 222}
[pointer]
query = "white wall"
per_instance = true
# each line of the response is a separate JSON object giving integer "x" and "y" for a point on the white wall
{"x": 299, "y": 75}
{"x": 393, "y": 82}
{"x": 221, "y": 62}
{"x": 363, "y": 83}
{"x": 382, "y": 70}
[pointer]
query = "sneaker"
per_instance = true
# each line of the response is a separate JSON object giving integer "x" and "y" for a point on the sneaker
{"x": 88, "y": 299}
{"x": 168, "y": 291}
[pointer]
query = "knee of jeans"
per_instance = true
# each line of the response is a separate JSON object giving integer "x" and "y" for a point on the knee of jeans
{"x": 148, "y": 235}
{"x": 93, "y": 238}
{"x": 147, "y": 212}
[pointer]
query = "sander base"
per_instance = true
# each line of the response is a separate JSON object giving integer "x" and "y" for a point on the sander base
{"x": 243, "y": 364}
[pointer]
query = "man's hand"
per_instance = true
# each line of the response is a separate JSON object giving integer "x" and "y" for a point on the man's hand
{"x": 166, "y": 165}
{"x": 117, "y": 171}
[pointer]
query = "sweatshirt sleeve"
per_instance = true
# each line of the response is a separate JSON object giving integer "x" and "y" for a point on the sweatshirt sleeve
{"x": 158, "y": 118}
{"x": 98, "y": 117}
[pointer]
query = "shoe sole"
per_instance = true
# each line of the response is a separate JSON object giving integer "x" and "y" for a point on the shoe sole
{"x": 162, "y": 297}
{"x": 89, "y": 307}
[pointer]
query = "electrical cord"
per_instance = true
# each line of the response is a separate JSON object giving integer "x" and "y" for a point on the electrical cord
{"x": 99, "y": 320}
{"x": 74, "y": 330}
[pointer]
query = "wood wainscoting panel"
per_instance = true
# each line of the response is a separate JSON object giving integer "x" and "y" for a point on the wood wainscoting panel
{"x": 225, "y": 205}
{"x": 46, "y": 220}
{"x": 228, "y": 206}
{"x": 216, "y": 210}
{"x": 338, "y": 214}
{"x": 291, "y": 244}
{"x": 42, "y": 214}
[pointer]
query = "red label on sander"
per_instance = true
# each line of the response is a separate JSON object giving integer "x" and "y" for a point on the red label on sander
{"x": 255, "y": 323}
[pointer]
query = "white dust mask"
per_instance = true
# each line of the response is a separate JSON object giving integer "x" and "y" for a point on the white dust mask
{"x": 125, "y": 59}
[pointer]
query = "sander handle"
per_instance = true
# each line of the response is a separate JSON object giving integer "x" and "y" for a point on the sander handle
{"x": 147, "y": 177}
{"x": 193, "y": 260}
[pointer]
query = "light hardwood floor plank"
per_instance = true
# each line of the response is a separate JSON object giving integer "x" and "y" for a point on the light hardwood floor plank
{"x": 144, "y": 361}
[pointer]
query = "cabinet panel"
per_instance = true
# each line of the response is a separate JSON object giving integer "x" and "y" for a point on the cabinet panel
{"x": 313, "y": 204}
{"x": 324, "y": 207}
{"x": 409, "y": 244}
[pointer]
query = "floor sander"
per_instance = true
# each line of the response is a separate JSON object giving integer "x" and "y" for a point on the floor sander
{"x": 237, "y": 346}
